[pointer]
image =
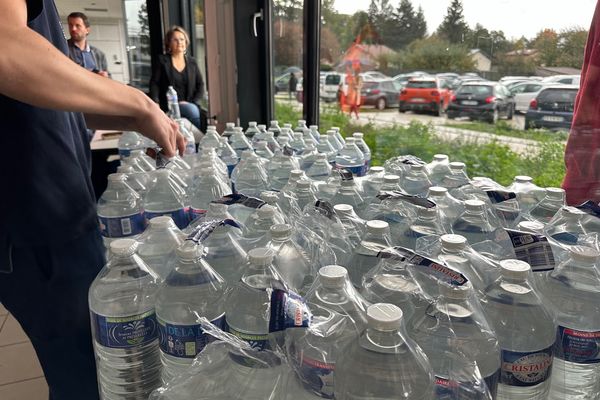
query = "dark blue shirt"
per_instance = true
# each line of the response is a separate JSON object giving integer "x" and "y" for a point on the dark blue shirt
{"x": 47, "y": 195}
{"x": 84, "y": 57}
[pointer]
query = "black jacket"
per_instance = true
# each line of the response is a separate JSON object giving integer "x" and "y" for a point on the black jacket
{"x": 162, "y": 78}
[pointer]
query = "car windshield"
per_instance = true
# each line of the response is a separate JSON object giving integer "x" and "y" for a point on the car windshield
{"x": 557, "y": 96}
{"x": 421, "y": 84}
{"x": 475, "y": 89}
{"x": 369, "y": 85}
{"x": 332, "y": 80}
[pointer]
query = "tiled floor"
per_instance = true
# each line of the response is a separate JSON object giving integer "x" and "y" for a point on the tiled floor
{"x": 21, "y": 377}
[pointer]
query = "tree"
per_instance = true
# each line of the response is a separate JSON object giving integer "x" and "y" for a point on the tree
{"x": 571, "y": 43}
{"x": 144, "y": 30}
{"x": 454, "y": 28}
{"x": 381, "y": 19}
{"x": 420, "y": 24}
{"x": 546, "y": 42}
{"x": 330, "y": 46}
{"x": 406, "y": 26}
{"x": 436, "y": 54}
{"x": 516, "y": 65}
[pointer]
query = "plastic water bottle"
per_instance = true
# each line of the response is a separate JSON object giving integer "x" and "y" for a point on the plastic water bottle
{"x": 129, "y": 141}
{"x": 528, "y": 193}
{"x": 192, "y": 290}
{"x": 210, "y": 139}
{"x": 390, "y": 183}
{"x": 334, "y": 142}
{"x": 164, "y": 198}
{"x": 457, "y": 177}
{"x": 349, "y": 193}
{"x": 427, "y": 223}
{"x": 229, "y": 129}
{"x": 525, "y": 331}
{"x": 362, "y": 145}
{"x": 286, "y": 131}
{"x": 416, "y": 181}
{"x": 259, "y": 224}
{"x": 545, "y": 210}
{"x": 314, "y": 132}
{"x": 252, "y": 129}
{"x": 207, "y": 188}
{"x": 228, "y": 155}
{"x": 572, "y": 291}
{"x": 120, "y": 211}
{"x": 320, "y": 170}
{"x": 372, "y": 181}
{"x": 456, "y": 324}
{"x": 140, "y": 161}
{"x": 338, "y": 135}
{"x": 364, "y": 256}
{"x": 449, "y": 205}
{"x": 298, "y": 144}
{"x": 252, "y": 178}
{"x": 157, "y": 244}
{"x": 274, "y": 127}
{"x": 354, "y": 226}
{"x": 136, "y": 180}
{"x": 262, "y": 150}
{"x": 247, "y": 308}
{"x": 294, "y": 176}
{"x": 301, "y": 127}
{"x": 383, "y": 363}
{"x": 304, "y": 193}
{"x": 173, "y": 103}
{"x": 438, "y": 168}
{"x": 239, "y": 142}
{"x": 190, "y": 141}
{"x": 351, "y": 158}
{"x": 122, "y": 300}
{"x": 291, "y": 261}
{"x": 225, "y": 254}
{"x": 475, "y": 225}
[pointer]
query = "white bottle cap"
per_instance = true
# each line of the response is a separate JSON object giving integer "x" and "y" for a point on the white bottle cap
{"x": 330, "y": 133}
{"x": 376, "y": 170}
{"x": 314, "y": 127}
{"x": 455, "y": 292}
{"x": 280, "y": 231}
{"x": 321, "y": 157}
{"x": 457, "y": 165}
{"x": 216, "y": 208}
{"x": 188, "y": 251}
{"x": 555, "y": 193}
{"x": 523, "y": 179}
{"x": 391, "y": 179}
{"x": 437, "y": 191}
{"x": 335, "y": 128}
{"x": 333, "y": 275}
{"x": 260, "y": 256}
{"x": 116, "y": 177}
{"x": 297, "y": 135}
{"x": 230, "y": 124}
{"x": 123, "y": 247}
{"x": 296, "y": 174}
{"x": 358, "y": 135}
{"x": 474, "y": 205}
{"x": 301, "y": 122}
{"x": 274, "y": 122}
{"x": 270, "y": 134}
{"x": 584, "y": 254}
{"x": 349, "y": 140}
{"x": 266, "y": 211}
{"x": 223, "y": 139}
{"x": 531, "y": 226}
{"x": 417, "y": 167}
{"x": 287, "y": 125}
{"x": 514, "y": 269}
{"x": 453, "y": 242}
{"x": 252, "y": 123}
{"x": 384, "y": 317}
{"x": 269, "y": 197}
{"x": 303, "y": 184}
{"x": 377, "y": 227}
{"x": 343, "y": 209}
{"x": 161, "y": 222}
{"x": 440, "y": 157}
{"x": 262, "y": 126}
{"x": 261, "y": 145}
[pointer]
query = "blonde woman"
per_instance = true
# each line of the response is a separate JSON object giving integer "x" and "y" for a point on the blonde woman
{"x": 177, "y": 69}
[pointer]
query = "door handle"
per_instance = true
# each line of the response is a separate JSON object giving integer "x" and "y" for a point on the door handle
{"x": 256, "y": 16}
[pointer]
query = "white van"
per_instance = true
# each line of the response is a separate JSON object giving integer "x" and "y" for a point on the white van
{"x": 330, "y": 88}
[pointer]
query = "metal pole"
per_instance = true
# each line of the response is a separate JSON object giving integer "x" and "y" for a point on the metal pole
{"x": 312, "y": 41}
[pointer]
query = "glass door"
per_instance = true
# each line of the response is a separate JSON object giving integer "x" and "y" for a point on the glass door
{"x": 137, "y": 39}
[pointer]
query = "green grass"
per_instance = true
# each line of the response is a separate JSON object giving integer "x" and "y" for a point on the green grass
{"x": 494, "y": 160}
{"x": 503, "y": 128}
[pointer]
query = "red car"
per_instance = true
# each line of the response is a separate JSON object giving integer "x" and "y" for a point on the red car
{"x": 424, "y": 94}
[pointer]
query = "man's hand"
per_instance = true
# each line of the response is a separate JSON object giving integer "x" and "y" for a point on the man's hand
{"x": 155, "y": 125}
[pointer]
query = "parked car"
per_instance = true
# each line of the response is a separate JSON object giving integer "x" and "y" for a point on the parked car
{"x": 374, "y": 75}
{"x": 552, "y": 108}
{"x": 566, "y": 79}
{"x": 401, "y": 80}
{"x": 381, "y": 94}
{"x": 330, "y": 90}
{"x": 486, "y": 101}
{"x": 282, "y": 82}
{"x": 424, "y": 94}
{"x": 524, "y": 93}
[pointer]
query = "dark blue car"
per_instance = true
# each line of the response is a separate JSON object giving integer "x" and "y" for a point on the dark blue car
{"x": 552, "y": 108}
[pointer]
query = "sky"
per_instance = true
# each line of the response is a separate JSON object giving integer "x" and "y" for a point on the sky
{"x": 515, "y": 17}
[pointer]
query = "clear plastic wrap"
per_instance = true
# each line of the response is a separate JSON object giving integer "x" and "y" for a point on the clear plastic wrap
{"x": 401, "y": 164}
{"x": 570, "y": 227}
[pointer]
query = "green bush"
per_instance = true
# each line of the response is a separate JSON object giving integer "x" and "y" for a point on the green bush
{"x": 494, "y": 160}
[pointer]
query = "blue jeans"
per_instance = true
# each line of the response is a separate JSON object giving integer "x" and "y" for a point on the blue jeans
{"x": 47, "y": 292}
{"x": 190, "y": 111}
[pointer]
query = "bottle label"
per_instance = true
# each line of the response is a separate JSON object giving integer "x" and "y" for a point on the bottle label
{"x": 288, "y": 310}
{"x": 179, "y": 216}
{"x": 257, "y": 341}
{"x": 196, "y": 213}
{"x": 125, "y": 332}
{"x": 118, "y": 227}
{"x": 577, "y": 346}
{"x": 566, "y": 238}
{"x": 203, "y": 230}
{"x": 397, "y": 195}
{"x": 317, "y": 376}
{"x": 534, "y": 249}
{"x": 429, "y": 266}
{"x": 124, "y": 153}
{"x": 190, "y": 148}
{"x": 448, "y": 389}
{"x": 526, "y": 369}
{"x": 325, "y": 208}
{"x": 358, "y": 170}
{"x": 499, "y": 196}
{"x": 590, "y": 208}
{"x": 238, "y": 198}
{"x": 184, "y": 341}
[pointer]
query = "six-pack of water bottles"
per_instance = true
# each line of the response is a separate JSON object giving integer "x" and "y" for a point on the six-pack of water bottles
{"x": 276, "y": 263}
